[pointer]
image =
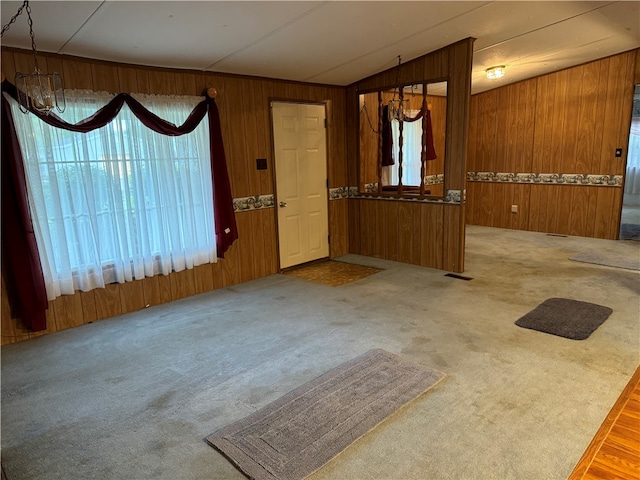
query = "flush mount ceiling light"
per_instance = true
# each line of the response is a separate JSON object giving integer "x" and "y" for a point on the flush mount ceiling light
{"x": 41, "y": 91}
{"x": 495, "y": 72}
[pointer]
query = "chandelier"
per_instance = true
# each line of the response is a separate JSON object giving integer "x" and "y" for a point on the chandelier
{"x": 38, "y": 91}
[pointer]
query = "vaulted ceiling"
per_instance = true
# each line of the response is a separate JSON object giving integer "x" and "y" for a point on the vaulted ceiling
{"x": 330, "y": 42}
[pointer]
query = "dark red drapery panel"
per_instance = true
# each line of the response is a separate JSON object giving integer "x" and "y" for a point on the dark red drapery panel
{"x": 431, "y": 151}
{"x": 225, "y": 222}
{"x": 387, "y": 139}
{"x": 20, "y": 258}
{"x": 224, "y": 217}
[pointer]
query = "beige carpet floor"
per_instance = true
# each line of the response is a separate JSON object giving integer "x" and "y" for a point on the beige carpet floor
{"x": 133, "y": 397}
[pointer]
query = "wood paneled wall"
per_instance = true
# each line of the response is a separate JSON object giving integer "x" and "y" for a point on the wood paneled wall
{"x": 400, "y": 230}
{"x": 568, "y": 122}
{"x": 243, "y": 103}
{"x": 369, "y": 147}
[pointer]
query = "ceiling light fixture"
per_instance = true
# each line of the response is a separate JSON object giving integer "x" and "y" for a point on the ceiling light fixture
{"x": 495, "y": 72}
{"x": 41, "y": 91}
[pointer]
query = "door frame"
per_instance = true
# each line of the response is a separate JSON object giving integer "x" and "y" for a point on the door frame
{"x": 325, "y": 104}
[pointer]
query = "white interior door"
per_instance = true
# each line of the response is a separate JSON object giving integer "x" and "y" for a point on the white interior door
{"x": 299, "y": 137}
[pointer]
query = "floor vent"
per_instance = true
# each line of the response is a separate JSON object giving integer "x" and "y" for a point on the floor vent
{"x": 557, "y": 235}
{"x": 459, "y": 277}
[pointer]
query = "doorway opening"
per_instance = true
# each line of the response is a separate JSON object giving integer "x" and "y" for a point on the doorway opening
{"x": 630, "y": 216}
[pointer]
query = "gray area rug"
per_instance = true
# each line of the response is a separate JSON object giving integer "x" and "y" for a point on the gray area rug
{"x": 300, "y": 432}
{"x": 565, "y": 318}
{"x": 607, "y": 259}
{"x": 630, "y": 231}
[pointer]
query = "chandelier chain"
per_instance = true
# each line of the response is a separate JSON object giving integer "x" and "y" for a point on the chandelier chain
{"x": 366, "y": 112}
{"x": 25, "y": 6}
{"x": 13, "y": 19}
{"x": 33, "y": 38}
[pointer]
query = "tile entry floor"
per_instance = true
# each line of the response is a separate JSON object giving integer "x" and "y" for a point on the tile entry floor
{"x": 332, "y": 273}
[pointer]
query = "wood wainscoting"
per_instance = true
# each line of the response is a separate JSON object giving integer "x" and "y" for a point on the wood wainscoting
{"x": 408, "y": 232}
{"x": 563, "y": 209}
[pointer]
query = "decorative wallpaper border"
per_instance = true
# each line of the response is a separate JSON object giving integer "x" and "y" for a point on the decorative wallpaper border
{"x": 454, "y": 197}
{"x": 434, "y": 179}
{"x": 371, "y": 187}
{"x": 255, "y": 202}
{"x": 428, "y": 180}
{"x": 339, "y": 192}
{"x": 547, "y": 178}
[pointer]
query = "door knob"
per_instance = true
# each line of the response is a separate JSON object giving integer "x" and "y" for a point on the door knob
{"x": 283, "y": 204}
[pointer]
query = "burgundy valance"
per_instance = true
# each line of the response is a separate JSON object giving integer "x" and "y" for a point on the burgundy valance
{"x": 18, "y": 240}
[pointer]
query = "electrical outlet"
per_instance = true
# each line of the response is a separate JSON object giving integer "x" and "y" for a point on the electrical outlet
{"x": 514, "y": 208}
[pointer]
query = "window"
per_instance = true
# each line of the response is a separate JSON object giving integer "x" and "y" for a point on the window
{"x": 411, "y": 150}
{"x": 119, "y": 203}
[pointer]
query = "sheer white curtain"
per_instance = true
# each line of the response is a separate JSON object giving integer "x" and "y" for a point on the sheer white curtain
{"x": 411, "y": 147}
{"x": 121, "y": 202}
{"x": 632, "y": 179}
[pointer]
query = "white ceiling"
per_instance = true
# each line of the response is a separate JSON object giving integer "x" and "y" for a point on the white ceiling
{"x": 330, "y": 42}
